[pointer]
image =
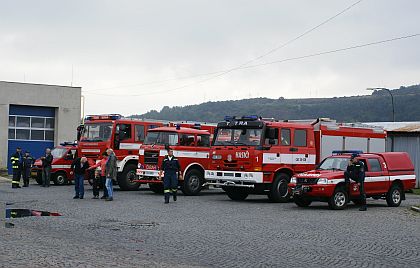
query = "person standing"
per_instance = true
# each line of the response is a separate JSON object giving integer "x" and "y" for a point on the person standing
{"x": 101, "y": 165}
{"x": 17, "y": 163}
{"x": 28, "y": 162}
{"x": 79, "y": 167}
{"x": 172, "y": 169}
{"x": 356, "y": 172}
{"x": 111, "y": 170}
{"x": 46, "y": 168}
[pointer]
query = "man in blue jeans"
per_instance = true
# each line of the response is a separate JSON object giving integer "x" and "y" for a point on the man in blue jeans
{"x": 111, "y": 170}
{"x": 79, "y": 167}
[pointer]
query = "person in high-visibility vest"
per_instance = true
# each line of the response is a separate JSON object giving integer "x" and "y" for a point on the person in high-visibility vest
{"x": 17, "y": 163}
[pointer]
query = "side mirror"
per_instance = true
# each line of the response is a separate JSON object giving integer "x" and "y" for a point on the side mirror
{"x": 167, "y": 146}
{"x": 271, "y": 133}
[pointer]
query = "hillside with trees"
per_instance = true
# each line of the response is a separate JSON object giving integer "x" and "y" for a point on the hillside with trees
{"x": 367, "y": 108}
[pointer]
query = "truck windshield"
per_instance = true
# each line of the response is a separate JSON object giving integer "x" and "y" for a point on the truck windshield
{"x": 238, "y": 136}
{"x": 161, "y": 137}
{"x": 95, "y": 132}
{"x": 58, "y": 152}
{"x": 334, "y": 163}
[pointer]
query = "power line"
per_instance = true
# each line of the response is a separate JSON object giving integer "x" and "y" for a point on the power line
{"x": 274, "y": 62}
{"x": 217, "y": 74}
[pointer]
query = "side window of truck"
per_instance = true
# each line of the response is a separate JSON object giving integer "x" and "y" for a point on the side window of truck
{"x": 285, "y": 136}
{"x": 374, "y": 164}
{"x": 300, "y": 138}
{"x": 203, "y": 141}
{"x": 187, "y": 140}
{"x": 139, "y": 133}
{"x": 125, "y": 130}
{"x": 273, "y": 135}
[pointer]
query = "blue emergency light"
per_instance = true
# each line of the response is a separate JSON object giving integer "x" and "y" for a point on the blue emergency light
{"x": 66, "y": 143}
{"x": 347, "y": 152}
{"x": 178, "y": 126}
{"x": 250, "y": 117}
{"x": 197, "y": 126}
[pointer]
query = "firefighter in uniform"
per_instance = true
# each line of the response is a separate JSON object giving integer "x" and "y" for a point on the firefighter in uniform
{"x": 28, "y": 162}
{"x": 356, "y": 172}
{"x": 17, "y": 165}
{"x": 172, "y": 169}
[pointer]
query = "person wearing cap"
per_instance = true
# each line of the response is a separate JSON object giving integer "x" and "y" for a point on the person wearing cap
{"x": 28, "y": 162}
{"x": 17, "y": 163}
{"x": 172, "y": 169}
{"x": 356, "y": 172}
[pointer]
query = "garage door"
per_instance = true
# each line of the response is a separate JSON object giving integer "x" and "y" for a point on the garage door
{"x": 32, "y": 128}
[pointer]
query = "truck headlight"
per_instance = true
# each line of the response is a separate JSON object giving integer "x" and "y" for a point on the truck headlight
{"x": 322, "y": 181}
{"x": 139, "y": 166}
{"x": 216, "y": 157}
{"x": 293, "y": 180}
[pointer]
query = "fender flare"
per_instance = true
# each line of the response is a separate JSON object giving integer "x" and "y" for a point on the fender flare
{"x": 190, "y": 165}
{"x": 121, "y": 163}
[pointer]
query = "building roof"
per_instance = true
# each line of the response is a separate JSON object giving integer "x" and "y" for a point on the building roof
{"x": 411, "y": 127}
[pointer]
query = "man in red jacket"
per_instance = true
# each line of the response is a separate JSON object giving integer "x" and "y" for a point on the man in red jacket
{"x": 101, "y": 165}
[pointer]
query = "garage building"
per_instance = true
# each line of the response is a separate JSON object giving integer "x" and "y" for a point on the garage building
{"x": 35, "y": 117}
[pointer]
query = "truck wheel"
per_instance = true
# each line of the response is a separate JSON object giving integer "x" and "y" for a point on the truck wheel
{"x": 125, "y": 179}
{"x": 279, "y": 192}
{"x": 301, "y": 201}
{"x": 394, "y": 196}
{"x": 60, "y": 178}
{"x": 236, "y": 194}
{"x": 157, "y": 188}
{"x": 192, "y": 182}
{"x": 339, "y": 199}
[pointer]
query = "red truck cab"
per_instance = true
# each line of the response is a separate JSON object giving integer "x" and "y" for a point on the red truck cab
{"x": 387, "y": 176}
{"x": 191, "y": 147}
{"x": 63, "y": 156}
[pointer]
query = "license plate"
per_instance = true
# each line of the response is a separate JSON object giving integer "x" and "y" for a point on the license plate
{"x": 151, "y": 167}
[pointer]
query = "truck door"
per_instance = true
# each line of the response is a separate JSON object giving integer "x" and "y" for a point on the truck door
{"x": 302, "y": 160}
{"x": 377, "y": 179}
{"x": 125, "y": 140}
{"x": 279, "y": 148}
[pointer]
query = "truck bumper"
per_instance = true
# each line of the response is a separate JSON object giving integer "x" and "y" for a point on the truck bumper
{"x": 232, "y": 178}
{"x": 147, "y": 176}
{"x": 315, "y": 191}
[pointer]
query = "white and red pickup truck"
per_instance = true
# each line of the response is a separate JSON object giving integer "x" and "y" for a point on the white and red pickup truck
{"x": 388, "y": 176}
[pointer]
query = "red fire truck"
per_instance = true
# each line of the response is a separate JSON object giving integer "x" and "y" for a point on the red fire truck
{"x": 388, "y": 176}
{"x": 251, "y": 155}
{"x": 123, "y": 135}
{"x": 63, "y": 156}
{"x": 191, "y": 146}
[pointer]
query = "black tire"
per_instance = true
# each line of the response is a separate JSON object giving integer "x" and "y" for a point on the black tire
{"x": 279, "y": 192}
{"x": 236, "y": 194}
{"x": 157, "y": 188}
{"x": 193, "y": 182}
{"x": 125, "y": 178}
{"x": 60, "y": 178}
{"x": 339, "y": 199}
{"x": 394, "y": 195}
{"x": 301, "y": 201}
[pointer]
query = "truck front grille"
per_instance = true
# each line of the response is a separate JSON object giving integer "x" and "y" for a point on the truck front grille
{"x": 307, "y": 180}
{"x": 151, "y": 157}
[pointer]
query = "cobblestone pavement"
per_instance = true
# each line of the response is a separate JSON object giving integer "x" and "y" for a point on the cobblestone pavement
{"x": 137, "y": 229}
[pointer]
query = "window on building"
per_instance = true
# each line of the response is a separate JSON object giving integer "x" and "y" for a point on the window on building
{"x": 375, "y": 166}
{"x": 23, "y": 121}
{"x": 31, "y": 128}
{"x": 37, "y": 122}
{"x": 300, "y": 138}
{"x": 139, "y": 135}
{"x": 12, "y": 121}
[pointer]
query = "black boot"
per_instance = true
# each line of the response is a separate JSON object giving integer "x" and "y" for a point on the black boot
{"x": 174, "y": 193}
{"x": 167, "y": 198}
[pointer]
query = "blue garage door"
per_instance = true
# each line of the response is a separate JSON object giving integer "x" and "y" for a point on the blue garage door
{"x": 31, "y": 128}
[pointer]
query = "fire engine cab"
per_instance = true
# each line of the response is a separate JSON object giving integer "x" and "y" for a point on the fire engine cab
{"x": 387, "y": 176}
{"x": 190, "y": 145}
{"x": 63, "y": 156}
{"x": 251, "y": 155}
{"x": 123, "y": 135}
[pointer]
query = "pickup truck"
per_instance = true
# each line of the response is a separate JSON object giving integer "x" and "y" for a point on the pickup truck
{"x": 388, "y": 176}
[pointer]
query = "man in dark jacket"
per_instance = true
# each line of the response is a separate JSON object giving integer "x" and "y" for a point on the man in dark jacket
{"x": 28, "y": 162}
{"x": 356, "y": 172}
{"x": 46, "y": 168}
{"x": 17, "y": 163}
{"x": 79, "y": 167}
{"x": 172, "y": 169}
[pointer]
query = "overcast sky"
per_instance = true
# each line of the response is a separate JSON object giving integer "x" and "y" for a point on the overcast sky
{"x": 117, "y": 49}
